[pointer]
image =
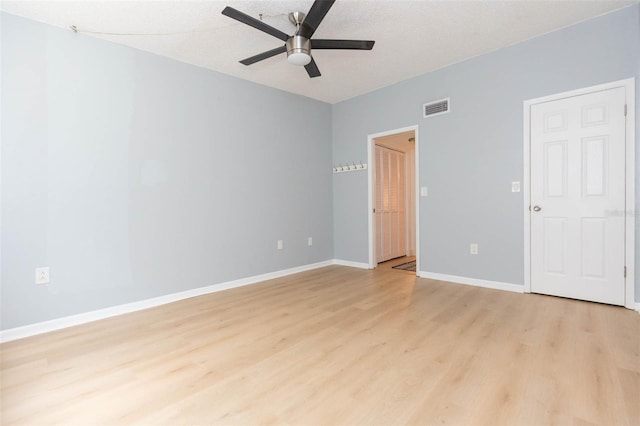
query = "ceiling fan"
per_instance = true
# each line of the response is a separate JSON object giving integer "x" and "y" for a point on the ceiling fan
{"x": 299, "y": 45}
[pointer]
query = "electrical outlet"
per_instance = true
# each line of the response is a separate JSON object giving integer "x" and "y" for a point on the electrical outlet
{"x": 309, "y": 241}
{"x": 515, "y": 186}
{"x": 473, "y": 248}
{"x": 42, "y": 275}
{"x": 280, "y": 244}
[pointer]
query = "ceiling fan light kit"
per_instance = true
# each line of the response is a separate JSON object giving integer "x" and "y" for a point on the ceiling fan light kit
{"x": 298, "y": 46}
{"x": 298, "y": 50}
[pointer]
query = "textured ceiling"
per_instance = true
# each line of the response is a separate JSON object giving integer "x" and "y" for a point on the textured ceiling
{"x": 412, "y": 37}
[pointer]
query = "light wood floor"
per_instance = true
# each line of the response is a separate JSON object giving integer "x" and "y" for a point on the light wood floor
{"x": 333, "y": 346}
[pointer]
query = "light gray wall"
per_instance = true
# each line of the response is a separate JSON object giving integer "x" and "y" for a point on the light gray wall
{"x": 133, "y": 176}
{"x": 469, "y": 157}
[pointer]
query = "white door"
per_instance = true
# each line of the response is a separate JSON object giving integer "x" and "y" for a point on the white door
{"x": 578, "y": 197}
{"x": 390, "y": 210}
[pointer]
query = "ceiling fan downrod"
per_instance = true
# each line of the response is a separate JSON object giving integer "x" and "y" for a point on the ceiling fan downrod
{"x": 297, "y": 18}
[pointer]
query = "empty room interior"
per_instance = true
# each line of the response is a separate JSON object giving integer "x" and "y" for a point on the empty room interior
{"x": 320, "y": 212}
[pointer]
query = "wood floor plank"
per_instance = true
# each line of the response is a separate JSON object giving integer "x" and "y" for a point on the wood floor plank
{"x": 335, "y": 345}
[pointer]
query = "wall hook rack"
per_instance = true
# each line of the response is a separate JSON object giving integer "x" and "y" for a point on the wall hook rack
{"x": 353, "y": 167}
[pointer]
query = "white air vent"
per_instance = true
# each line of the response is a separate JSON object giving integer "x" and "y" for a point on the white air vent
{"x": 435, "y": 108}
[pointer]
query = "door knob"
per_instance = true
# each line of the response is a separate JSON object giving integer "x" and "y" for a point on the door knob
{"x": 537, "y": 208}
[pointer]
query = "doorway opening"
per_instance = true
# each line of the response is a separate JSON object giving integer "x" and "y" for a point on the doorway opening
{"x": 393, "y": 200}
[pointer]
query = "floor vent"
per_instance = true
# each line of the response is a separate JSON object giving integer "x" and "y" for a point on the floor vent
{"x": 435, "y": 108}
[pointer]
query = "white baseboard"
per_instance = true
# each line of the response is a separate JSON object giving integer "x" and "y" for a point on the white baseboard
{"x": 70, "y": 321}
{"x": 638, "y": 307}
{"x": 351, "y": 264}
{"x": 473, "y": 281}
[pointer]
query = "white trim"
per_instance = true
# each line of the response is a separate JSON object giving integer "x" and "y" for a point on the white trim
{"x": 351, "y": 264}
{"x": 416, "y": 190}
{"x": 630, "y": 221}
{"x": 496, "y": 285}
{"x": 638, "y": 307}
{"x": 370, "y": 179}
{"x": 526, "y": 194}
{"x": 630, "y": 141}
{"x": 70, "y": 321}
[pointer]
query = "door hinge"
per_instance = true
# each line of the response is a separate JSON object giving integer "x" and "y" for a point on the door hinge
{"x": 625, "y": 272}
{"x": 625, "y": 110}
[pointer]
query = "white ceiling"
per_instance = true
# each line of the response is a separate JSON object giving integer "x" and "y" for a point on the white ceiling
{"x": 412, "y": 37}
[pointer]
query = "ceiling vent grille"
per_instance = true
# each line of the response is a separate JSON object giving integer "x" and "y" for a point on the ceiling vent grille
{"x": 435, "y": 108}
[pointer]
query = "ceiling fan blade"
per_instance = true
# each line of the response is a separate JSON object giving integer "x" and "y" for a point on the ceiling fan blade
{"x": 264, "y": 55}
{"x": 253, "y": 22}
{"x": 316, "y": 14}
{"x": 312, "y": 69}
{"x": 342, "y": 44}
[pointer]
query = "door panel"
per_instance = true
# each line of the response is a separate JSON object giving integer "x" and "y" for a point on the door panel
{"x": 578, "y": 197}
{"x": 390, "y": 204}
{"x": 593, "y": 247}
{"x": 555, "y": 173}
{"x": 555, "y": 245}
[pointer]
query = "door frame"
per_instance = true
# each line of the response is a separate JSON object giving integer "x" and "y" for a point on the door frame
{"x": 370, "y": 189}
{"x": 629, "y": 86}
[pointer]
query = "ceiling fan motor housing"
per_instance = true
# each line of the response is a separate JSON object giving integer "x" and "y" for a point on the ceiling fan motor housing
{"x": 298, "y": 50}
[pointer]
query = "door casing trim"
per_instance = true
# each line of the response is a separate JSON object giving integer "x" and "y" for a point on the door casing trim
{"x": 630, "y": 126}
{"x": 370, "y": 187}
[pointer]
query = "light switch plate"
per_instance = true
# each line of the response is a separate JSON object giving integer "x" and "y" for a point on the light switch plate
{"x": 280, "y": 244}
{"x": 473, "y": 248}
{"x": 309, "y": 241}
{"x": 424, "y": 191}
{"x": 515, "y": 186}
